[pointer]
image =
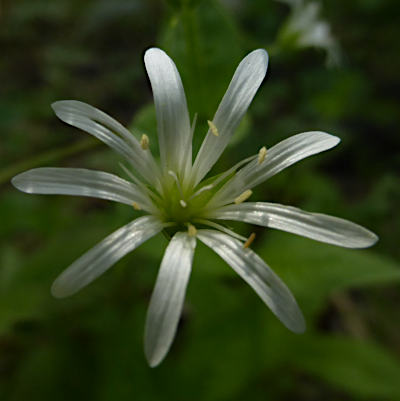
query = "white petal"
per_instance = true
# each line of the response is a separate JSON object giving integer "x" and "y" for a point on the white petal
{"x": 102, "y": 256}
{"x": 173, "y": 122}
{"x": 245, "y": 82}
{"x": 258, "y": 275}
{"x": 168, "y": 297}
{"x": 320, "y": 227}
{"x": 280, "y": 156}
{"x": 80, "y": 182}
{"x": 109, "y": 131}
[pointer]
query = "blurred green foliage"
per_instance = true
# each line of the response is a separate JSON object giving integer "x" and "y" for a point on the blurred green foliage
{"x": 229, "y": 346}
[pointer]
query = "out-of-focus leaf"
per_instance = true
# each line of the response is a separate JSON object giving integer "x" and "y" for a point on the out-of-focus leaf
{"x": 48, "y": 243}
{"x": 203, "y": 40}
{"x": 313, "y": 270}
{"x": 51, "y": 156}
{"x": 360, "y": 368}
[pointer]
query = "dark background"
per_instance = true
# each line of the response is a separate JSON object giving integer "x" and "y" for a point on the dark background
{"x": 229, "y": 346}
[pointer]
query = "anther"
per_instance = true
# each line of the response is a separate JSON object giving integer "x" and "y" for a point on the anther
{"x": 192, "y": 231}
{"x": 183, "y": 203}
{"x": 136, "y": 206}
{"x": 144, "y": 142}
{"x": 261, "y": 154}
{"x": 213, "y": 128}
{"x": 249, "y": 240}
{"x": 244, "y": 196}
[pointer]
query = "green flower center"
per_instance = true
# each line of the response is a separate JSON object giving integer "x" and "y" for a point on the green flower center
{"x": 182, "y": 205}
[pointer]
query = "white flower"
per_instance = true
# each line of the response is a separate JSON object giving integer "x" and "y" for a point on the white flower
{"x": 177, "y": 200}
{"x": 305, "y": 28}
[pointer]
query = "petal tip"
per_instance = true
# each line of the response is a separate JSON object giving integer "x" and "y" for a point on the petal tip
{"x": 152, "y": 361}
{"x": 56, "y": 292}
{"x": 375, "y": 238}
{"x": 301, "y": 329}
{"x": 58, "y": 104}
{"x": 153, "y": 49}
{"x": 259, "y": 58}
{"x": 336, "y": 140}
{"x": 298, "y": 326}
{"x": 327, "y": 141}
{"x": 332, "y": 138}
{"x": 360, "y": 238}
{"x": 60, "y": 107}
{"x": 153, "y": 356}
{"x": 59, "y": 290}
{"x": 263, "y": 54}
{"x": 22, "y": 182}
{"x": 370, "y": 239}
{"x": 153, "y": 52}
{"x": 16, "y": 182}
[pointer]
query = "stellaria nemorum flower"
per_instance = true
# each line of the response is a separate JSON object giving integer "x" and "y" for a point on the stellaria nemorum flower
{"x": 176, "y": 199}
{"x": 306, "y": 28}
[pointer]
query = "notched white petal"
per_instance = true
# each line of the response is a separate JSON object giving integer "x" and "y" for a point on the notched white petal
{"x": 320, "y": 227}
{"x": 80, "y": 182}
{"x": 97, "y": 123}
{"x": 69, "y": 110}
{"x": 245, "y": 82}
{"x": 168, "y": 297}
{"x": 105, "y": 254}
{"x": 173, "y": 122}
{"x": 288, "y": 152}
{"x": 258, "y": 275}
{"x": 280, "y": 156}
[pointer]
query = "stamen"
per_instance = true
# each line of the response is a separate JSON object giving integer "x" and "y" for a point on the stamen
{"x": 129, "y": 174}
{"x": 136, "y": 206}
{"x": 140, "y": 184}
{"x": 178, "y": 185}
{"x": 244, "y": 196}
{"x": 249, "y": 240}
{"x": 261, "y": 154}
{"x": 144, "y": 142}
{"x": 213, "y": 128}
{"x": 202, "y": 189}
{"x": 192, "y": 231}
{"x": 222, "y": 177}
{"x": 232, "y": 170}
{"x": 221, "y": 228}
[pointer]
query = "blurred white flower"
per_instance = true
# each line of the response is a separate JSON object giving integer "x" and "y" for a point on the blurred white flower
{"x": 176, "y": 199}
{"x": 305, "y": 28}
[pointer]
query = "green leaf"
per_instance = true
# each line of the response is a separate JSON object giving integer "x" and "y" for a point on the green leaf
{"x": 360, "y": 368}
{"x": 50, "y": 156}
{"x": 314, "y": 270}
{"x": 196, "y": 37}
